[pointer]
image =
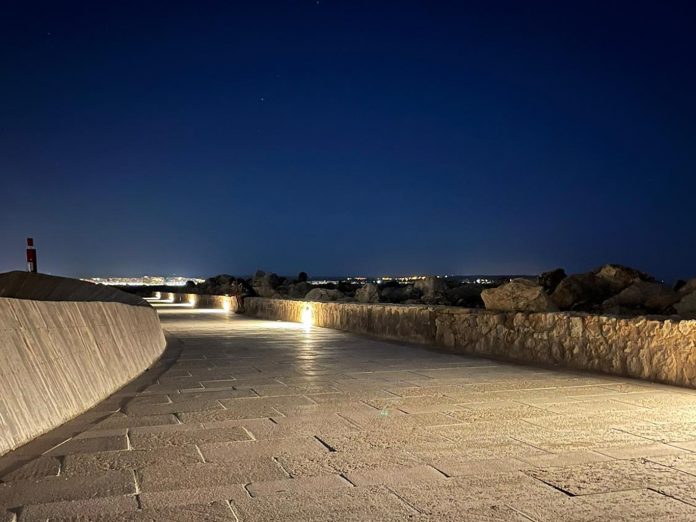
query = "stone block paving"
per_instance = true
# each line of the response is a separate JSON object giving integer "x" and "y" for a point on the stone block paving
{"x": 248, "y": 420}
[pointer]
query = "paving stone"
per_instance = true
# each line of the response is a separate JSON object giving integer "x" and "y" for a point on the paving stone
{"x": 303, "y": 426}
{"x": 91, "y": 445}
{"x": 383, "y": 439}
{"x": 211, "y": 395}
{"x": 120, "y": 420}
{"x": 231, "y": 451}
{"x": 476, "y": 497}
{"x": 187, "y": 437}
{"x": 278, "y": 390}
{"x": 83, "y": 509}
{"x": 173, "y": 407}
{"x": 429, "y": 403}
{"x": 395, "y": 476}
{"x": 575, "y": 440}
{"x": 36, "y": 468}
{"x": 645, "y": 451}
{"x": 685, "y": 462}
{"x": 340, "y": 504}
{"x": 673, "y": 432}
{"x": 92, "y": 463}
{"x": 337, "y": 462}
{"x": 306, "y": 484}
{"x": 166, "y": 477}
{"x": 571, "y": 458}
{"x": 604, "y": 477}
{"x": 454, "y": 465}
{"x": 622, "y": 506}
{"x": 52, "y": 489}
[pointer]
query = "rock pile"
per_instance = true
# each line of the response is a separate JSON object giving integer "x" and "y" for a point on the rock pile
{"x": 613, "y": 289}
{"x": 610, "y": 289}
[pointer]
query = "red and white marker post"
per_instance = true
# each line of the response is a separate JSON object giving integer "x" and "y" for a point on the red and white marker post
{"x": 31, "y": 255}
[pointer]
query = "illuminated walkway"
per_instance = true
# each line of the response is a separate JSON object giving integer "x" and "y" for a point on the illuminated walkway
{"x": 264, "y": 421}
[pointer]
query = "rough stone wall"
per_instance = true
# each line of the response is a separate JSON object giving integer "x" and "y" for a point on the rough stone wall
{"x": 60, "y": 358}
{"x": 655, "y": 349}
{"x": 204, "y": 301}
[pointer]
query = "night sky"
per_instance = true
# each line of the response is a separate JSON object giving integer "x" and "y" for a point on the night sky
{"x": 370, "y": 138}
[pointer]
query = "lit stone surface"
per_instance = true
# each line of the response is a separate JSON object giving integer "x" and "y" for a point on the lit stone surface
{"x": 254, "y": 420}
{"x": 60, "y": 358}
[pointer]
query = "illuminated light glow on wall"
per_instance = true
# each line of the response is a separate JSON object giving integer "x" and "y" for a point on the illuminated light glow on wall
{"x": 193, "y": 300}
{"x": 226, "y": 305}
{"x": 158, "y": 295}
{"x": 307, "y": 316}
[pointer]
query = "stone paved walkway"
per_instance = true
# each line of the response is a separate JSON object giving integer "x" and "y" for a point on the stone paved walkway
{"x": 263, "y": 421}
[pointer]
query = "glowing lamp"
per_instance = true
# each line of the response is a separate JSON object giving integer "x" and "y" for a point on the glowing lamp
{"x": 306, "y": 316}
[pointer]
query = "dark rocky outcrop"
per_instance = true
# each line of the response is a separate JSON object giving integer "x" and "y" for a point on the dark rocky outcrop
{"x": 581, "y": 292}
{"x": 643, "y": 296}
{"x": 323, "y": 295}
{"x": 551, "y": 279}
{"x": 686, "y": 307}
{"x": 299, "y": 290}
{"x": 519, "y": 295}
{"x": 399, "y": 293}
{"x": 467, "y": 295}
{"x": 265, "y": 284}
{"x": 369, "y": 293}
{"x": 618, "y": 277}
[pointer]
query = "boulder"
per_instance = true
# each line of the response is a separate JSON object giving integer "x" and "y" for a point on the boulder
{"x": 686, "y": 307}
{"x": 299, "y": 290}
{"x": 581, "y": 292}
{"x": 431, "y": 286}
{"x": 369, "y": 293}
{"x": 468, "y": 295}
{"x": 519, "y": 295}
{"x": 302, "y": 277}
{"x": 265, "y": 284}
{"x": 323, "y": 294}
{"x": 688, "y": 287}
{"x": 619, "y": 277}
{"x": 399, "y": 294}
{"x": 652, "y": 297}
{"x": 551, "y": 279}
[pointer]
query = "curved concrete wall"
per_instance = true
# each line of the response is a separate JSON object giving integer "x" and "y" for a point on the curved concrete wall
{"x": 59, "y": 358}
{"x": 655, "y": 349}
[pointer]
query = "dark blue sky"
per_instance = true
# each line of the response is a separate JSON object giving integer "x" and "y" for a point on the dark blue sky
{"x": 348, "y": 137}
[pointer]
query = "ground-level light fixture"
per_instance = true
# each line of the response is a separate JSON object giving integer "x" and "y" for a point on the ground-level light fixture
{"x": 193, "y": 300}
{"x": 306, "y": 316}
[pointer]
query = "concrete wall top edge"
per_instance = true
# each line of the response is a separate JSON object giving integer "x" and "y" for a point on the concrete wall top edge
{"x": 43, "y": 287}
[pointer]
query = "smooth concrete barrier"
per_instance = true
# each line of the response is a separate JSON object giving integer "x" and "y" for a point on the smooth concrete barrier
{"x": 60, "y": 357}
{"x": 651, "y": 348}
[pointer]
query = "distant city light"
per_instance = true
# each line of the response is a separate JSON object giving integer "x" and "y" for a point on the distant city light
{"x": 143, "y": 281}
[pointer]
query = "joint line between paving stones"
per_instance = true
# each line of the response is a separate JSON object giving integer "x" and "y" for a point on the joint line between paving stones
{"x": 280, "y": 465}
{"x": 198, "y": 449}
{"x": 406, "y": 502}
{"x": 325, "y": 444}
{"x": 229, "y": 506}
{"x": 670, "y": 496}
{"x": 349, "y": 420}
{"x": 344, "y": 477}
